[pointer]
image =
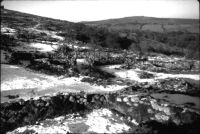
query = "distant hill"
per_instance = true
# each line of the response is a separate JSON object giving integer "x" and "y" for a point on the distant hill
{"x": 149, "y": 24}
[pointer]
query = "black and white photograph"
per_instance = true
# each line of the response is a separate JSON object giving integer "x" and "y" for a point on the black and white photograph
{"x": 100, "y": 66}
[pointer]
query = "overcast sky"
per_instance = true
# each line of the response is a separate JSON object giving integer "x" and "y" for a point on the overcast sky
{"x": 91, "y": 10}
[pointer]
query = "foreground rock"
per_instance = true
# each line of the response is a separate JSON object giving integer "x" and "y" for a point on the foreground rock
{"x": 123, "y": 111}
{"x": 22, "y": 112}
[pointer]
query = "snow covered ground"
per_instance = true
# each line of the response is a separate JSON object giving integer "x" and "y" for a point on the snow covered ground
{"x": 44, "y": 47}
{"x": 17, "y": 78}
{"x": 132, "y": 74}
{"x": 81, "y": 61}
{"x": 53, "y": 35}
{"x": 7, "y": 30}
{"x": 49, "y": 33}
{"x": 98, "y": 121}
{"x": 165, "y": 58}
{"x": 77, "y": 46}
{"x": 52, "y": 46}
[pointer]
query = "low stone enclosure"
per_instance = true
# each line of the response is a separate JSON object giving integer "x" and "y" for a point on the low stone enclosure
{"x": 141, "y": 111}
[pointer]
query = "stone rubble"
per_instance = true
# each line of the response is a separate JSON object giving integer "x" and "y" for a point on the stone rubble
{"x": 129, "y": 108}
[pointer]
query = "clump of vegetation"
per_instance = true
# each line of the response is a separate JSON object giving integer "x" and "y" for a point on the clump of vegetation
{"x": 97, "y": 81}
{"x": 7, "y": 42}
{"x": 169, "y": 43}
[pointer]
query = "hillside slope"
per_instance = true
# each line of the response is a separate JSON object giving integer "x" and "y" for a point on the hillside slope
{"x": 149, "y": 24}
{"x": 182, "y": 39}
{"x": 161, "y": 35}
{"x": 24, "y": 23}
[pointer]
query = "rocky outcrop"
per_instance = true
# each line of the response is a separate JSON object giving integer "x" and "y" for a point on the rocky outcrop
{"x": 140, "y": 111}
{"x": 22, "y": 112}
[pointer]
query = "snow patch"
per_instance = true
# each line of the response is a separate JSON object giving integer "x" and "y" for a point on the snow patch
{"x": 27, "y": 83}
{"x": 113, "y": 66}
{"x": 42, "y": 130}
{"x": 98, "y": 121}
{"x": 77, "y": 46}
{"x": 7, "y": 30}
{"x": 28, "y": 80}
{"x": 81, "y": 61}
{"x": 133, "y": 74}
{"x": 164, "y": 76}
{"x": 13, "y": 66}
{"x": 44, "y": 47}
{"x": 56, "y": 36}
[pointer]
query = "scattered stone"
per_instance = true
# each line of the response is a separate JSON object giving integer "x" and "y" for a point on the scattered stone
{"x": 102, "y": 98}
{"x": 129, "y": 118}
{"x": 160, "y": 108}
{"x": 30, "y": 111}
{"x": 118, "y": 99}
{"x": 134, "y": 122}
{"x": 125, "y": 99}
{"x": 72, "y": 99}
{"x": 134, "y": 99}
{"x": 136, "y": 104}
{"x": 161, "y": 117}
{"x": 128, "y": 103}
{"x": 150, "y": 111}
{"x": 96, "y": 97}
